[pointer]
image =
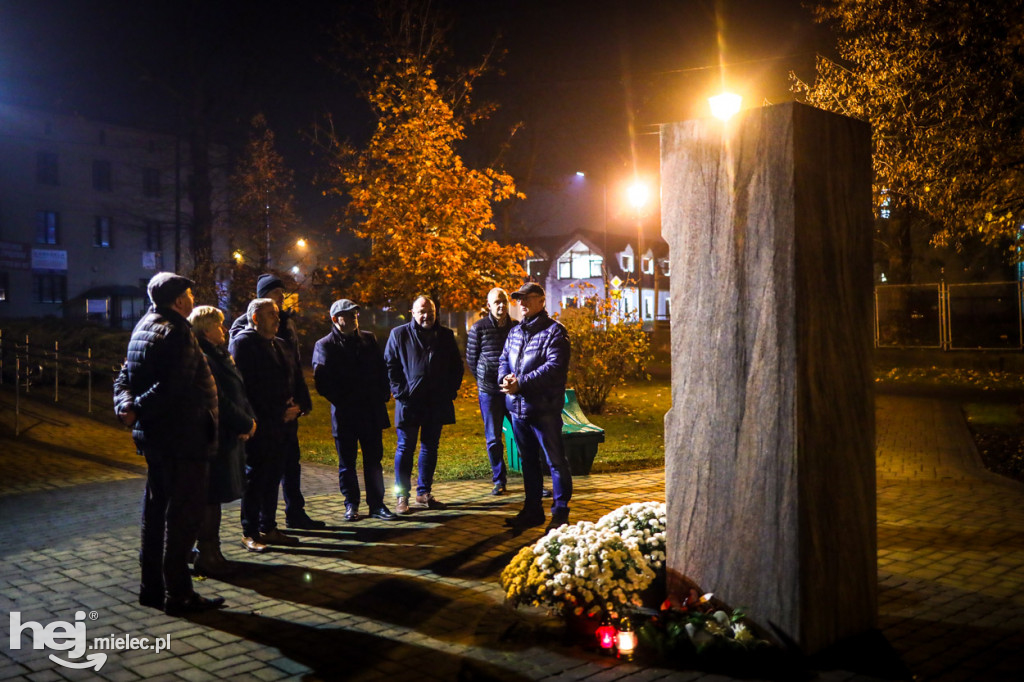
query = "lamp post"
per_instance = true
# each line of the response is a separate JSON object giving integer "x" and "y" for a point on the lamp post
{"x": 637, "y": 194}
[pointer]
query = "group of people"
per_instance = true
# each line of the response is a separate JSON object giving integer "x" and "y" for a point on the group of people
{"x": 217, "y": 419}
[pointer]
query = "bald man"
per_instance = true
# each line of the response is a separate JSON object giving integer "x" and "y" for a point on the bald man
{"x": 483, "y": 349}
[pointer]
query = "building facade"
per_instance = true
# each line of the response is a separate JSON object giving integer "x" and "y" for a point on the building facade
{"x": 574, "y": 267}
{"x": 89, "y": 211}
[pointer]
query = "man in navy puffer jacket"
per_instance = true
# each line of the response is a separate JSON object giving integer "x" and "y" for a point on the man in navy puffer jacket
{"x": 532, "y": 370}
{"x": 484, "y": 344}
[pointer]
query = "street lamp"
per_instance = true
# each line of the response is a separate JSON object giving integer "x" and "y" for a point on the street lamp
{"x": 725, "y": 105}
{"x": 637, "y": 194}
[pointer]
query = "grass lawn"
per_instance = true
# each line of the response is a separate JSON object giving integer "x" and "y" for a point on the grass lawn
{"x": 632, "y": 420}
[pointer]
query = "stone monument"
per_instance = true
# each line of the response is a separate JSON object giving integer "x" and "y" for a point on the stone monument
{"x": 770, "y": 442}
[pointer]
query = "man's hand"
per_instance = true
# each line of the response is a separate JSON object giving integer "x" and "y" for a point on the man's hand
{"x": 127, "y": 416}
{"x": 247, "y": 436}
{"x": 291, "y": 413}
{"x": 510, "y": 384}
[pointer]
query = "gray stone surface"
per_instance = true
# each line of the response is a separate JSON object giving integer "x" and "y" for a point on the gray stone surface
{"x": 770, "y": 440}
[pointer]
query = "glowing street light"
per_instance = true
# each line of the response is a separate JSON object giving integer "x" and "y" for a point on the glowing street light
{"x": 301, "y": 243}
{"x": 725, "y": 106}
{"x": 637, "y": 193}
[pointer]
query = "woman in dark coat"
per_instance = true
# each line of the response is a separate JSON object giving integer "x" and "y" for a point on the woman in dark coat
{"x": 237, "y": 423}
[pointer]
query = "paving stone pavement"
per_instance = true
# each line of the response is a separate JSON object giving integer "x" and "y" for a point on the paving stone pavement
{"x": 420, "y": 598}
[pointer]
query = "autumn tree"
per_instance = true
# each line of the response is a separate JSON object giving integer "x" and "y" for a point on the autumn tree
{"x": 607, "y": 348}
{"x": 263, "y": 218}
{"x": 421, "y": 210}
{"x": 942, "y": 87}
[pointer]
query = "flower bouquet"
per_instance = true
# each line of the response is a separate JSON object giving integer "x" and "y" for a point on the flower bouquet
{"x": 580, "y": 569}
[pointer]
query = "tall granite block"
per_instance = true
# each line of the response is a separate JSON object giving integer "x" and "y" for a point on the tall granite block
{"x": 770, "y": 443}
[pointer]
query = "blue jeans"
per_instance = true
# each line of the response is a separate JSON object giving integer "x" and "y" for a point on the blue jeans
{"x": 536, "y": 436}
{"x": 493, "y": 410}
{"x": 429, "y": 435}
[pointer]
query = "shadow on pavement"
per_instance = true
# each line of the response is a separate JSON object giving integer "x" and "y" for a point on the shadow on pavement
{"x": 333, "y": 653}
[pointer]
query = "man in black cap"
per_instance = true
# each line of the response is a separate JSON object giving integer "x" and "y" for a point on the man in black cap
{"x": 349, "y": 370}
{"x": 270, "y": 286}
{"x": 166, "y": 393}
{"x": 532, "y": 371}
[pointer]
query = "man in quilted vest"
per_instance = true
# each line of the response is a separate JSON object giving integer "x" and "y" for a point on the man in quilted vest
{"x": 533, "y": 368}
{"x": 166, "y": 393}
{"x": 483, "y": 349}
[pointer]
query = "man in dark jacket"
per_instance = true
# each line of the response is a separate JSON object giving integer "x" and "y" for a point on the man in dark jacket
{"x": 269, "y": 384}
{"x": 425, "y": 371}
{"x": 349, "y": 370}
{"x": 166, "y": 393}
{"x": 270, "y": 286}
{"x": 483, "y": 349}
{"x": 533, "y": 369}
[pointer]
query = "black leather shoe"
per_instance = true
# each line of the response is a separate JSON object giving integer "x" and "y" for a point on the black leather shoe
{"x": 351, "y": 512}
{"x": 558, "y": 518}
{"x": 524, "y": 520}
{"x": 498, "y": 489}
{"x": 305, "y": 523}
{"x": 383, "y": 513}
{"x": 546, "y": 492}
{"x": 193, "y": 604}
{"x": 153, "y": 601}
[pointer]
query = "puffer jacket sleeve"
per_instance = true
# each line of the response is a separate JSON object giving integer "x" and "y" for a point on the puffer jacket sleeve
{"x": 473, "y": 348}
{"x": 551, "y": 375}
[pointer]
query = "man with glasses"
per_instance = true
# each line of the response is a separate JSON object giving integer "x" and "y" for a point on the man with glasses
{"x": 532, "y": 372}
{"x": 349, "y": 371}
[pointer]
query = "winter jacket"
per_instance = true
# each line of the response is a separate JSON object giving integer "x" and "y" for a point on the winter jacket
{"x": 269, "y": 380}
{"x": 165, "y": 380}
{"x": 349, "y": 371}
{"x": 289, "y": 339}
{"x": 483, "y": 350}
{"x": 227, "y": 471}
{"x": 425, "y": 371}
{"x": 537, "y": 352}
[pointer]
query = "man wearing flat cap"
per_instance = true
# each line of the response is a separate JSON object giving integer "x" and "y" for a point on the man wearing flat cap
{"x": 166, "y": 393}
{"x": 270, "y": 286}
{"x": 349, "y": 371}
{"x": 532, "y": 372}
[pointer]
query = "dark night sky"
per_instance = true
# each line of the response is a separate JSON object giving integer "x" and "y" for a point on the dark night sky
{"x": 580, "y": 73}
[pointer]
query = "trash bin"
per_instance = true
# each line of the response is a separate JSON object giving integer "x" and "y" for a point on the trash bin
{"x": 580, "y": 437}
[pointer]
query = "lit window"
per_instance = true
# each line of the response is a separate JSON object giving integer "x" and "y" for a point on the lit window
{"x": 101, "y": 233}
{"x": 564, "y": 269}
{"x": 47, "y": 227}
{"x": 627, "y": 263}
{"x": 49, "y": 288}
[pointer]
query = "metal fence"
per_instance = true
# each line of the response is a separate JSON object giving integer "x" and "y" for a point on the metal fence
{"x": 985, "y": 315}
{"x": 46, "y": 371}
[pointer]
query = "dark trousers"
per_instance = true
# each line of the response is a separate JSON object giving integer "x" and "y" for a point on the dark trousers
{"x": 209, "y": 528}
{"x": 347, "y": 442}
{"x": 542, "y": 436}
{"x": 291, "y": 475}
{"x": 172, "y": 509}
{"x": 429, "y": 435}
{"x": 263, "y": 468}
{"x": 494, "y": 411}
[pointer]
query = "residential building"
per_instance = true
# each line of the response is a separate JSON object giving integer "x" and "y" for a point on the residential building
{"x": 574, "y": 267}
{"x": 89, "y": 211}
